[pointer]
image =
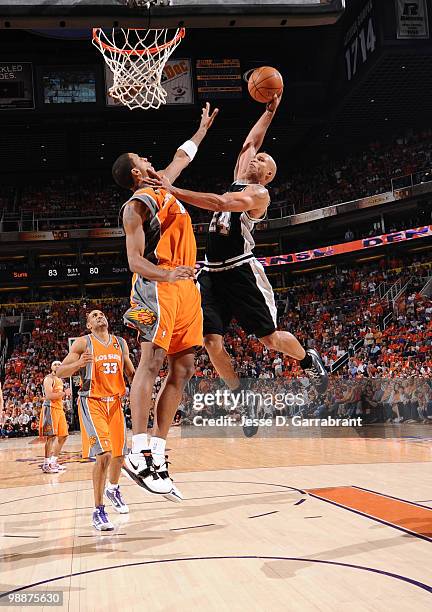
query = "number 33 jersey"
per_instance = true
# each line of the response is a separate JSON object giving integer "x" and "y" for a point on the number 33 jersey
{"x": 104, "y": 376}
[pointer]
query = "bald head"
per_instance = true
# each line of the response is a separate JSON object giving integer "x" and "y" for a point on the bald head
{"x": 261, "y": 169}
{"x": 270, "y": 167}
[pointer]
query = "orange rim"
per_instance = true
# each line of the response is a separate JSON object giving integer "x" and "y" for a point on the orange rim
{"x": 150, "y": 51}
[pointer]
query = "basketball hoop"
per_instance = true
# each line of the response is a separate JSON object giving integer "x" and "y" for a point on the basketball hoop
{"x": 137, "y": 59}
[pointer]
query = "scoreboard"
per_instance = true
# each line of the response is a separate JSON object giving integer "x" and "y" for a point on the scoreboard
{"x": 218, "y": 78}
{"x": 86, "y": 272}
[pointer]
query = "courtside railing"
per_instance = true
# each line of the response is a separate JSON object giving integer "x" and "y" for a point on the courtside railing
{"x": 427, "y": 289}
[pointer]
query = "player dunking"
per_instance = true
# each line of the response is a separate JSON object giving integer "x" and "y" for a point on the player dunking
{"x": 233, "y": 283}
{"x": 165, "y": 305}
{"x": 52, "y": 421}
{"x": 101, "y": 359}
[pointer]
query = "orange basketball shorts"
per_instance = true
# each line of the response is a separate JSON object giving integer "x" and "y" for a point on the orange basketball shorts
{"x": 103, "y": 427}
{"x": 52, "y": 421}
{"x": 167, "y": 314}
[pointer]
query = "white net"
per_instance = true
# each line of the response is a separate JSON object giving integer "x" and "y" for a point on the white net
{"x": 137, "y": 59}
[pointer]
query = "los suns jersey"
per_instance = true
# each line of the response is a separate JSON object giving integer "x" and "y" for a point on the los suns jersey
{"x": 169, "y": 237}
{"x": 104, "y": 376}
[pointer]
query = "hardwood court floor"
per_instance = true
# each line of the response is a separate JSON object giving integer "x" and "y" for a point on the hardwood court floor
{"x": 267, "y": 524}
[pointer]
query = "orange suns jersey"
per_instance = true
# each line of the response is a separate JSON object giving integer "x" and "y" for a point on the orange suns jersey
{"x": 57, "y": 388}
{"x": 104, "y": 376}
{"x": 169, "y": 237}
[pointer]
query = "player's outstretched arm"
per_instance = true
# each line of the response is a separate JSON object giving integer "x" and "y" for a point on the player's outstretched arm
{"x": 133, "y": 217}
{"x": 255, "y": 138}
{"x": 187, "y": 151}
{"x": 254, "y": 198}
{"x": 77, "y": 358}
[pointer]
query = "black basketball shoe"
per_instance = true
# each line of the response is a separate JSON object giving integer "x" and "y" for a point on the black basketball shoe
{"x": 316, "y": 371}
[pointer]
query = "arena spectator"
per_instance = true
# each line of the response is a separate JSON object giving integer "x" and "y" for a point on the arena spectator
{"x": 387, "y": 380}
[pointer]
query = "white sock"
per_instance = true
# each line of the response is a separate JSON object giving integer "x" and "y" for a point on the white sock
{"x": 112, "y": 487}
{"x": 46, "y": 461}
{"x": 140, "y": 442}
{"x": 157, "y": 446}
{"x": 52, "y": 459}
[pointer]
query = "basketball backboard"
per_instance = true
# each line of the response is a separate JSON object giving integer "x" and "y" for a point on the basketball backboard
{"x": 168, "y": 13}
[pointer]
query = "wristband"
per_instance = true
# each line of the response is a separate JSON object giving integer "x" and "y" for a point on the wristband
{"x": 190, "y": 148}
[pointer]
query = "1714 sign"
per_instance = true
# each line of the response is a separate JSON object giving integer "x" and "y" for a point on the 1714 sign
{"x": 360, "y": 41}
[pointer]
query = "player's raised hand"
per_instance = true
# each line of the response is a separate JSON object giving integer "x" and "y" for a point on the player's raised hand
{"x": 207, "y": 118}
{"x": 271, "y": 106}
{"x": 180, "y": 273}
{"x": 67, "y": 392}
{"x": 85, "y": 358}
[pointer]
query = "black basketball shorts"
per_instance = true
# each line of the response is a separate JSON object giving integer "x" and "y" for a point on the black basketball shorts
{"x": 243, "y": 293}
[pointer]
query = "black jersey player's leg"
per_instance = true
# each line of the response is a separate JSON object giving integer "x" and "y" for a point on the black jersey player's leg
{"x": 284, "y": 342}
{"x": 221, "y": 360}
{"x": 256, "y": 312}
{"x": 223, "y": 365}
{"x": 217, "y": 315}
{"x": 310, "y": 361}
{"x": 217, "y": 306}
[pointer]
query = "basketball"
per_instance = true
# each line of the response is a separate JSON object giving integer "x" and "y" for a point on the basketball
{"x": 264, "y": 83}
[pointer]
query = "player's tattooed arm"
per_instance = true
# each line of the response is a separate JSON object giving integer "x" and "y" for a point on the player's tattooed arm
{"x": 181, "y": 159}
{"x": 255, "y": 138}
{"x": 135, "y": 245}
{"x": 254, "y": 199}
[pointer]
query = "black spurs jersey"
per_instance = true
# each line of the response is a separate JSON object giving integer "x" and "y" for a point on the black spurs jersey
{"x": 230, "y": 240}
